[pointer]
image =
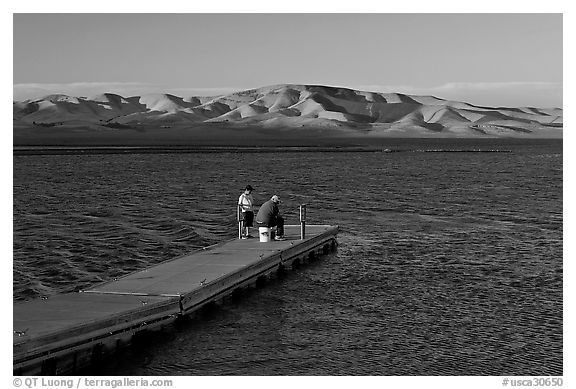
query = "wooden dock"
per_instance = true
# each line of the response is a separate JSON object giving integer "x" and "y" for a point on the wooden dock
{"x": 66, "y": 332}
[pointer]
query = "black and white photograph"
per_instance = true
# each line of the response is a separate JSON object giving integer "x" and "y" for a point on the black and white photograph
{"x": 308, "y": 193}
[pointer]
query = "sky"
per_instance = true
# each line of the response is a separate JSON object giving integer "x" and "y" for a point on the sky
{"x": 489, "y": 59}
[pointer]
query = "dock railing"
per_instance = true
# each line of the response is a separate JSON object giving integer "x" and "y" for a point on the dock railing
{"x": 302, "y": 209}
{"x": 239, "y": 217}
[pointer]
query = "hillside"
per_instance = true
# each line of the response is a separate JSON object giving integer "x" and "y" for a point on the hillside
{"x": 280, "y": 110}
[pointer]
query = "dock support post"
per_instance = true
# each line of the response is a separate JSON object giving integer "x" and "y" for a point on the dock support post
{"x": 302, "y": 221}
{"x": 239, "y": 218}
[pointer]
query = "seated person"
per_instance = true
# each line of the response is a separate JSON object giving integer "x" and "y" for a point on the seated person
{"x": 269, "y": 216}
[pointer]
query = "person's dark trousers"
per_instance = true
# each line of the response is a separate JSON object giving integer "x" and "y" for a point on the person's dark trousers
{"x": 279, "y": 224}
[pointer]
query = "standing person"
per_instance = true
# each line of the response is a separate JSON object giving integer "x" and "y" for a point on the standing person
{"x": 245, "y": 202}
{"x": 269, "y": 216}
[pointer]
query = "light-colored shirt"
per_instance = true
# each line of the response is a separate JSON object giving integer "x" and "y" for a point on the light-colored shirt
{"x": 245, "y": 201}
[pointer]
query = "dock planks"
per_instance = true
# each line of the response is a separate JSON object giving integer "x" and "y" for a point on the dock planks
{"x": 62, "y": 326}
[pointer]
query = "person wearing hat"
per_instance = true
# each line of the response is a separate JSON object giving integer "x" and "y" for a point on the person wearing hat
{"x": 269, "y": 216}
{"x": 245, "y": 202}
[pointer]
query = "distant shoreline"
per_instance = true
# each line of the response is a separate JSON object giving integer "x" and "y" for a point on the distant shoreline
{"x": 99, "y": 150}
{"x": 82, "y": 150}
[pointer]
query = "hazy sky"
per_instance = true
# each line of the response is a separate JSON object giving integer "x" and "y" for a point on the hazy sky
{"x": 491, "y": 59}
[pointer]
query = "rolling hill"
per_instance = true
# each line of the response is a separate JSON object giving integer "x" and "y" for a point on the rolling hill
{"x": 279, "y": 110}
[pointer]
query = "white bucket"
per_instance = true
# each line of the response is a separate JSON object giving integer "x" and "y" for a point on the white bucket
{"x": 265, "y": 234}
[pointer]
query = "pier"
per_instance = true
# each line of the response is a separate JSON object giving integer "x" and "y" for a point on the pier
{"x": 66, "y": 332}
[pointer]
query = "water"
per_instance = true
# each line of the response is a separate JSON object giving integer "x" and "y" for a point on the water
{"x": 448, "y": 263}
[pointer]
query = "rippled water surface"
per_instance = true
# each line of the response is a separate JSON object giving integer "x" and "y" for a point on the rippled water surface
{"x": 448, "y": 263}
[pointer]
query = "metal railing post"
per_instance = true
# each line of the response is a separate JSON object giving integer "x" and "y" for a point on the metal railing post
{"x": 238, "y": 212}
{"x": 302, "y": 221}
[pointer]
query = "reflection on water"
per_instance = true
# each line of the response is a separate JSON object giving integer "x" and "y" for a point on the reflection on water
{"x": 448, "y": 263}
